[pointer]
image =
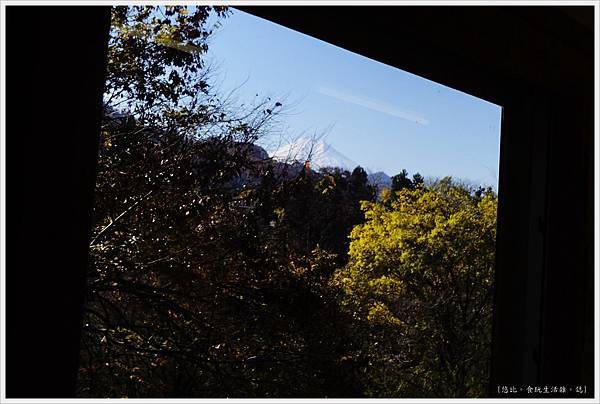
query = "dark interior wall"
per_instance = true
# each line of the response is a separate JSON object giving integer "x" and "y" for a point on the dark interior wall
{"x": 55, "y": 62}
{"x": 537, "y": 63}
{"x": 567, "y": 328}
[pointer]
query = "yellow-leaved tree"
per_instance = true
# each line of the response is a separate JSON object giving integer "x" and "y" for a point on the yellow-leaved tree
{"x": 419, "y": 279}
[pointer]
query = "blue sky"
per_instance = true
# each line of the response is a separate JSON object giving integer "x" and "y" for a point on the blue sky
{"x": 382, "y": 117}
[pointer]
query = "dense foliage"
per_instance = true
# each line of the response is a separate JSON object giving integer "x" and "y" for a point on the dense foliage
{"x": 420, "y": 276}
{"x": 217, "y": 272}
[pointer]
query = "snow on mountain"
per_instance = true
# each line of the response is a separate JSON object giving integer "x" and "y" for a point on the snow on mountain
{"x": 319, "y": 153}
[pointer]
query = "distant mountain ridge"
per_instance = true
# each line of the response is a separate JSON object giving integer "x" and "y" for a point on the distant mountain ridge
{"x": 380, "y": 179}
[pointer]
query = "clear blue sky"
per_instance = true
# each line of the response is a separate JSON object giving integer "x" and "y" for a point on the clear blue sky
{"x": 382, "y": 117}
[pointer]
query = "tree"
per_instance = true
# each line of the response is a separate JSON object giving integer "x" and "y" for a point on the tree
{"x": 194, "y": 288}
{"x": 419, "y": 278}
{"x": 418, "y": 180}
{"x": 155, "y": 65}
{"x": 359, "y": 185}
{"x": 401, "y": 181}
{"x": 165, "y": 188}
{"x": 320, "y": 208}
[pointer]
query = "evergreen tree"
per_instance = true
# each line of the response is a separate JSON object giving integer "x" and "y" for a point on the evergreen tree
{"x": 401, "y": 181}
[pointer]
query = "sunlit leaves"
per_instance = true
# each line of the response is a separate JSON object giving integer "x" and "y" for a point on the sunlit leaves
{"x": 422, "y": 266}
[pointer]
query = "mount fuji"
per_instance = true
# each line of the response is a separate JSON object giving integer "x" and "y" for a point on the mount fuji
{"x": 320, "y": 155}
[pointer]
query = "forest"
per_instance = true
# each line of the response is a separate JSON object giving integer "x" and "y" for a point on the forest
{"x": 215, "y": 271}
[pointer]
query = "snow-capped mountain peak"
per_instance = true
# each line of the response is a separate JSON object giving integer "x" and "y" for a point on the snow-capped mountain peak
{"x": 319, "y": 153}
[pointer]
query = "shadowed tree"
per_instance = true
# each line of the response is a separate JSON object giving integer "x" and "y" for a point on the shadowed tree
{"x": 401, "y": 181}
{"x": 193, "y": 287}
